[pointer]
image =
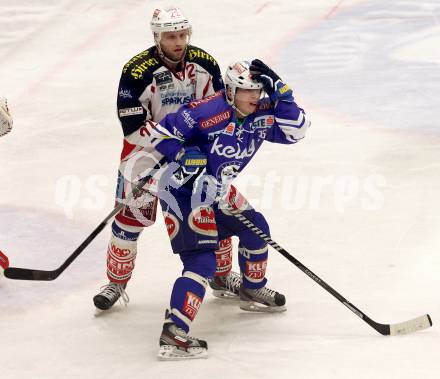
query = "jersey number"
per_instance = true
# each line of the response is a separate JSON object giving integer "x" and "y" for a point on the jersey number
{"x": 191, "y": 69}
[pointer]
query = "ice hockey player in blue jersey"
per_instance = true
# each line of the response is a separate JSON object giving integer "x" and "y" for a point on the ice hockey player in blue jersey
{"x": 153, "y": 83}
{"x": 210, "y": 141}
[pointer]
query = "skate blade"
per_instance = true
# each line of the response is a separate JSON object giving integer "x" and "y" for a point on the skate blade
{"x": 172, "y": 353}
{"x": 225, "y": 295}
{"x": 252, "y": 306}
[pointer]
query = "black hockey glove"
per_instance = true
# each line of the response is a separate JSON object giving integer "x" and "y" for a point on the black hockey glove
{"x": 264, "y": 74}
{"x": 272, "y": 83}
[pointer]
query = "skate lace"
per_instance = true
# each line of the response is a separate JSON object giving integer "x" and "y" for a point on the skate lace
{"x": 182, "y": 333}
{"x": 233, "y": 281}
{"x": 266, "y": 293}
{"x": 113, "y": 290}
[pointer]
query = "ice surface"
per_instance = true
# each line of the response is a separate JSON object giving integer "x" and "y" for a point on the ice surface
{"x": 357, "y": 201}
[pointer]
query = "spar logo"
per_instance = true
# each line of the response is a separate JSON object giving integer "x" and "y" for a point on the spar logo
{"x": 172, "y": 224}
{"x": 230, "y": 129}
{"x": 202, "y": 221}
{"x": 262, "y": 122}
{"x": 255, "y": 271}
{"x": 191, "y": 305}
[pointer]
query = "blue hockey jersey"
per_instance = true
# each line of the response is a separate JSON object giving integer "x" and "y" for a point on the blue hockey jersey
{"x": 229, "y": 143}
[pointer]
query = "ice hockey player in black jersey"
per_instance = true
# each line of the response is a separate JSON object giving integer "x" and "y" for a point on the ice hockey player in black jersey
{"x": 154, "y": 83}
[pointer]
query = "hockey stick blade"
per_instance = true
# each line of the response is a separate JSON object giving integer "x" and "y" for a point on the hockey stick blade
{"x": 19, "y": 273}
{"x": 410, "y": 326}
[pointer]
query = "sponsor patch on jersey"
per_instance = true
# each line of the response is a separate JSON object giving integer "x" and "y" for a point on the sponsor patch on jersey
{"x": 172, "y": 224}
{"x": 262, "y": 122}
{"x": 137, "y": 71}
{"x": 255, "y": 271}
{"x": 212, "y": 136}
{"x": 205, "y": 242}
{"x": 179, "y": 100}
{"x": 191, "y": 305}
{"x": 130, "y": 111}
{"x": 164, "y": 77}
{"x": 125, "y": 94}
{"x": 215, "y": 120}
{"x": 229, "y": 151}
{"x": 167, "y": 87}
{"x": 189, "y": 121}
{"x": 202, "y": 221}
{"x": 207, "y": 99}
{"x": 230, "y": 129}
{"x": 197, "y": 53}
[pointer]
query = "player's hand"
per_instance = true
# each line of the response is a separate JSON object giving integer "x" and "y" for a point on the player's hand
{"x": 262, "y": 73}
{"x": 272, "y": 83}
{"x": 191, "y": 160}
{"x": 5, "y": 117}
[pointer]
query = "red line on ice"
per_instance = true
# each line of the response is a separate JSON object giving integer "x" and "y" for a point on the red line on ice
{"x": 262, "y": 7}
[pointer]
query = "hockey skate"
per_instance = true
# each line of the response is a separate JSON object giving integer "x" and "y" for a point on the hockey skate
{"x": 110, "y": 293}
{"x": 261, "y": 300}
{"x": 227, "y": 286}
{"x": 176, "y": 344}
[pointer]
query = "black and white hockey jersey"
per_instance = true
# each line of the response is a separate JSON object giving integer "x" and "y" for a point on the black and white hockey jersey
{"x": 150, "y": 90}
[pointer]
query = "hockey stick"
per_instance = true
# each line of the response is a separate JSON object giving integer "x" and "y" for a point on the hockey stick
{"x": 4, "y": 261}
{"x": 33, "y": 274}
{"x": 409, "y": 326}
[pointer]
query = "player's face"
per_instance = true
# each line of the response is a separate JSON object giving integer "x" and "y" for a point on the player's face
{"x": 246, "y": 100}
{"x": 173, "y": 44}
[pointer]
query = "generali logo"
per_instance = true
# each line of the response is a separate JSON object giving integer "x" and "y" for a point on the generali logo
{"x": 215, "y": 120}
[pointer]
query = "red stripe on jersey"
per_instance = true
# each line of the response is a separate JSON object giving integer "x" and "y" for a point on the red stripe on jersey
{"x": 205, "y": 90}
{"x": 127, "y": 149}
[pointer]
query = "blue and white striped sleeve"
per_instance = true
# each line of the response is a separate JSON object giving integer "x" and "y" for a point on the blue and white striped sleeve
{"x": 291, "y": 124}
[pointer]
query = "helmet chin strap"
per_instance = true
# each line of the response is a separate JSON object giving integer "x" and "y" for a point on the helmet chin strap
{"x": 239, "y": 111}
{"x": 231, "y": 102}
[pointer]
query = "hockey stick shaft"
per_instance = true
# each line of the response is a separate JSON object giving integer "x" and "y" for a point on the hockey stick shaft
{"x": 19, "y": 273}
{"x": 418, "y": 323}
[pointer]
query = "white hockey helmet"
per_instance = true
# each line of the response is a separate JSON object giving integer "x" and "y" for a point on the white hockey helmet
{"x": 238, "y": 76}
{"x": 168, "y": 20}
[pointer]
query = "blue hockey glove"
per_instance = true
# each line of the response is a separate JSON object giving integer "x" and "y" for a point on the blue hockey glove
{"x": 191, "y": 160}
{"x": 272, "y": 83}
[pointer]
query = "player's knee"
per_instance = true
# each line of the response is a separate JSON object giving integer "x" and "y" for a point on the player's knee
{"x": 202, "y": 263}
{"x": 261, "y": 223}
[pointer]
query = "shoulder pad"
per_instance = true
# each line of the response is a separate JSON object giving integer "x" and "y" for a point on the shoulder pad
{"x": 141, "y": 63}
{"x": 200, "y": 56}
